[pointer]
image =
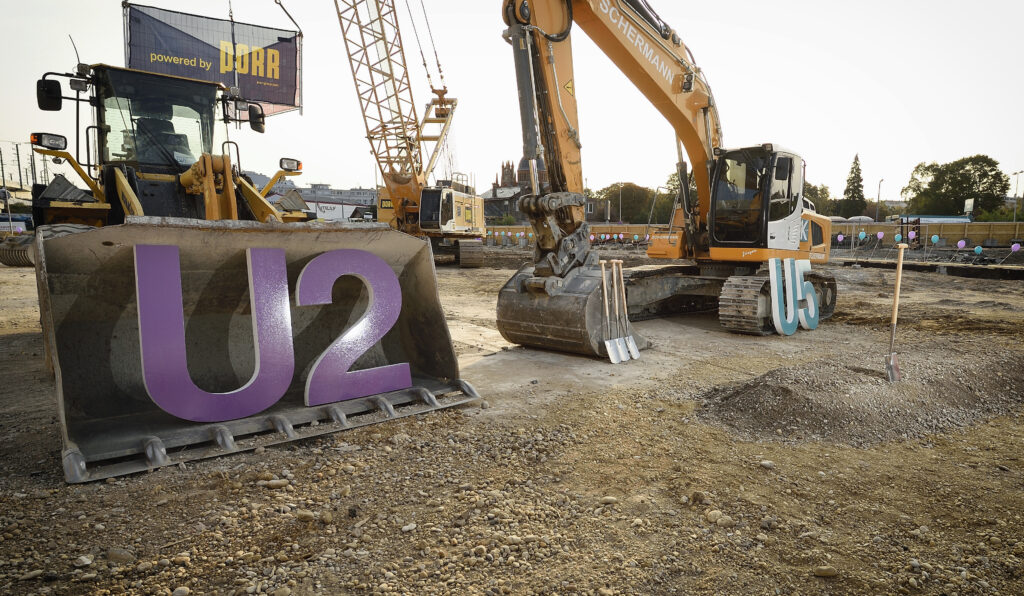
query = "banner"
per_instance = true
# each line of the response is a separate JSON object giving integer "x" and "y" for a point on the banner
{"x": 264, "y": 63}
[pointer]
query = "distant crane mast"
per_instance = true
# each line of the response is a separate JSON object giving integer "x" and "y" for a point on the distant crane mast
{"x": 406, "y": 148}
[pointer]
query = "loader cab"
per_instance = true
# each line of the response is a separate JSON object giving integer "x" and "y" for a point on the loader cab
{"x": 756, "y": 199}
{"x": 155, "y": 123}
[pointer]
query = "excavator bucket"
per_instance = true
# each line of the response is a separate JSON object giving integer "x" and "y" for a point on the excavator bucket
{"x": 172, "y": 339}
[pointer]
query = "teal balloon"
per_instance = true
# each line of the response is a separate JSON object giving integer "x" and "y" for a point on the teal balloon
{"x": 977, "y": 250}
{"x": 899, "y": 237}
{"x": 935, "y": 239}
{"x": 635, "y": 237}
{"x": 862, "y": 235}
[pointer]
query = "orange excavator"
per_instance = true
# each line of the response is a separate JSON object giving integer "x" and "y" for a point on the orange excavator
{"x": 749, "y": 207}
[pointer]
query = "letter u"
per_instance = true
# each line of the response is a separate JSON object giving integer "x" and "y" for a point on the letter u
{"x": 162, "y": 337}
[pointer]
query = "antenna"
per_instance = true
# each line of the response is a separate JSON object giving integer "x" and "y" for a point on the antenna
{"x": 78, "y": 60}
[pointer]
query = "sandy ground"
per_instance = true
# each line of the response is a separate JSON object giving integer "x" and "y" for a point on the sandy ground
{"x": 716, "y": 464}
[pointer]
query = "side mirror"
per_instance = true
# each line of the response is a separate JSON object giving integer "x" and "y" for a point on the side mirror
{"x": 257, "y": 121}
{"x": 48, "y": 95}
{"x": 782, "y": 167}
{"x": 290, "y": 165}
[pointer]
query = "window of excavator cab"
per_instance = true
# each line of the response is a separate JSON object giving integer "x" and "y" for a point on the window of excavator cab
{"x": 739, "y": 197}
{"x": 155, "y": 120}
{"x": 785, "y": 194}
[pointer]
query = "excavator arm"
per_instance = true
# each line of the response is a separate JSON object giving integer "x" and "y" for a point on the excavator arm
{"x": 655, "y": 60}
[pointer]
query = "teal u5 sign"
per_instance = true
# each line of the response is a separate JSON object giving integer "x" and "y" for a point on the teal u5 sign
{"x": 794, "y": 301}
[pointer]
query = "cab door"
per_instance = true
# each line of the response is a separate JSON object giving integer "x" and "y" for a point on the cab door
{"x": 785, "y": 191}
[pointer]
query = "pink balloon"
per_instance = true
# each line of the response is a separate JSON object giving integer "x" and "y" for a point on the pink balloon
{"x": 881, "y": 235}
{"x": 841, "y": 238}
{"x": 961, "y": 244}
{"x": 913, "y": 235}
{"x": 1015, "y": 247}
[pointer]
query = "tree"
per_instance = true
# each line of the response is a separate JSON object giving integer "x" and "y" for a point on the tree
{"x": 853, "y": 202}
{"x": 635, "y": 202}
{"x": 821, "y": 197}
{"x": 942, "y": 189}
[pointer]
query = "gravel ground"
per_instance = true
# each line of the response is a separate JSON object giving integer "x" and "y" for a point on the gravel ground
{"x": 716, "y": 464}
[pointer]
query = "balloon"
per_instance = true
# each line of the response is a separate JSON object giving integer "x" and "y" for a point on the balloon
{"x": 961, "y": 244}
{"x": 591, "y": 237}
{"x": 1015, "y": 247}
{"x": 862, "y": 235}
{"x": 621, "y": 236}
{"x": 935, "y": 238}
{"x": 531, "y": 234}
{"x": 913, "y": 235}
{"x": 977, "y": 250}
{"x": 636, "y": 237}
{"x": 880, "y": 235}
{"x": 840, "y": 238}
{"x": 648, "y": 237}
{"x": 899, "y": 237}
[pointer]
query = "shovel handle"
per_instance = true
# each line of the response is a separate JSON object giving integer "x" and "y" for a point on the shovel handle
{"x": 899, "y": 279}
{"x": 604, "y": 297}
{"x": 622, "y": 291}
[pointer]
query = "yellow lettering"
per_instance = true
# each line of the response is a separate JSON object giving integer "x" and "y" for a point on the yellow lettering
{"x": 257, "y": 61}
{"x": 227, "y": 54}
{"x": 242, "y": 58}
{"x": 273, "y": 64}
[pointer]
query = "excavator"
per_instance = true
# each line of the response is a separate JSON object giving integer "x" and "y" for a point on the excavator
{"x": 405, "y": 147}
{"x": 749, "y": 206}
{"x": 186, "y": 316}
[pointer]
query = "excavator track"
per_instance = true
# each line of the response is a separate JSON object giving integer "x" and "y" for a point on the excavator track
{"x": 744, "y": 305}
{"x": 825, "y": 288}
{"x": 15, "y": 251}
{"x": 471, "y": 254}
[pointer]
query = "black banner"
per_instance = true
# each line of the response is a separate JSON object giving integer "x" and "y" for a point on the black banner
{"x": 264, "y": 63}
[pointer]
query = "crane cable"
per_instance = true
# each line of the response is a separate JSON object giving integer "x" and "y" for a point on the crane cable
{"x": 419, "y": 45}
{"x": 433, "y": 46}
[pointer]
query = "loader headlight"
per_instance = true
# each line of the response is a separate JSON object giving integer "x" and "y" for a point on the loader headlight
{"x": 49, "y": 141}
{"x": 290, "y": 165}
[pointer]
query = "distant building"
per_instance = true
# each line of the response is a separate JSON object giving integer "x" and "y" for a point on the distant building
{"x": 502, "y": 201}
{"x": 318, "y": 192}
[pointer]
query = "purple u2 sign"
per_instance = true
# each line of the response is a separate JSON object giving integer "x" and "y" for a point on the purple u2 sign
{"x": 162, "y": 333}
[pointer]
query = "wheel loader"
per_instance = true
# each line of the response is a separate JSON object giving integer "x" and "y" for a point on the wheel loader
{"x": 185, "y": 316}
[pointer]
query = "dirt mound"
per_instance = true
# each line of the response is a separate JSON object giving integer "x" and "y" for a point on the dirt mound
{"x": 854, "y": 403}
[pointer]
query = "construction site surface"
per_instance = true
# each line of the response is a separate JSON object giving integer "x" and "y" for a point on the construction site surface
{"x": 716, "y": 464}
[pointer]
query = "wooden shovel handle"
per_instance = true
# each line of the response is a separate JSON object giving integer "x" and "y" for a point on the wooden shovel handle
{"x": 899, "y": 278}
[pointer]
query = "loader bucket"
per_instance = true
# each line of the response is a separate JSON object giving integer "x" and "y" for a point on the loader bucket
{"x": 174, "y": 339}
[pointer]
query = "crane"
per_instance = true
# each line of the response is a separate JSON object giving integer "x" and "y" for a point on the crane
{"x": 405, "y": 146}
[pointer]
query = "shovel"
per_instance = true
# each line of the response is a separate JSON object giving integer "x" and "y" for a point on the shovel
{"x": 619, "y": 340}
{"x": 634, "y": 351}
{"x": 610, "y": 346}
{"x": 892, "y": 362}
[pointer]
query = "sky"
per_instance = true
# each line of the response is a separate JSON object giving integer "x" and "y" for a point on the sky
{"x": 895, "y": 82}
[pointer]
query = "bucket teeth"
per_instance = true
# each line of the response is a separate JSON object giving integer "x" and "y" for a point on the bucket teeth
{"x": 338, "y": 416}
{"x": 156, "y": 453}
{"x": 385, "y": 406}
{"x": 283, "y": 426}
{"x": 225, "y": 440}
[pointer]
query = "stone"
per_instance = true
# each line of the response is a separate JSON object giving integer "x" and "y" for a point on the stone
{"x": 30, "y": 575}
{"x": 280, "y": 483}
{"x": 609, "y": 500}
{"x": 400, "y": 438}
{"x": 408, "y": 528}
{"x": 768, "y": 464}
{"x": 144, "y": 567}
{"x": 120, "y": 556}
{"x": 825, "y": 571}
{"x": 305, "y": 515}
{"x": 713, "y": 516}
{"x": 181, "y": 591}
{"x": 762, "y": 537}
{"x": 285, "y": 591}
{"x": 725, "y": 522}
{"x": 83, "y": 561}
